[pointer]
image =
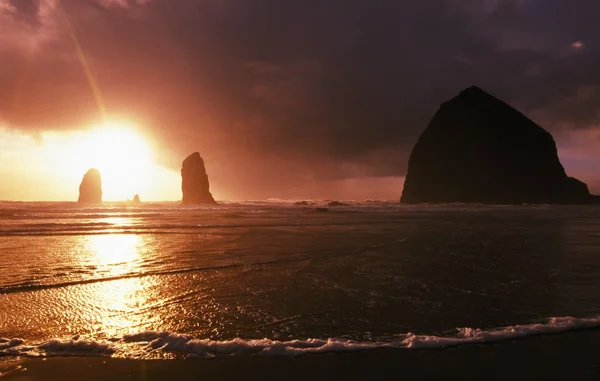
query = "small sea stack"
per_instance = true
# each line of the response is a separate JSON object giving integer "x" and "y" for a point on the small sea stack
{"x": 136, "y": 199}
{"x": 194, "y": 181}
{"x": 90, "y": 189}
{"x": 478, "y": 149}
{"x": 336, "y": 203}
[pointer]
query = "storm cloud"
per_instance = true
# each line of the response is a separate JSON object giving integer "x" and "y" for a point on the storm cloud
{"x": 285, "y": 94}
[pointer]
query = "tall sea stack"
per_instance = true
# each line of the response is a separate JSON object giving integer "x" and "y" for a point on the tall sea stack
{"x": 90, "y": 189}
{"x": 478, "y": 149}
{"x": 194, "y": 181}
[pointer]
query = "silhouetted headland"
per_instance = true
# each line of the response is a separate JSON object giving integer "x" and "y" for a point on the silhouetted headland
{"x": 478, "y": 149}
{"x": 90, "y": 189}
{"x": 194, "y": 181}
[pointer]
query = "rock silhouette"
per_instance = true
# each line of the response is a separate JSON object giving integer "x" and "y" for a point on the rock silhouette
{"x": 194, "y": 181}
{"x": 336, "y": 203}
{"x": 90, "y": 189}
{"x": 136, "y": 199}
{"x": 478, "y": 149}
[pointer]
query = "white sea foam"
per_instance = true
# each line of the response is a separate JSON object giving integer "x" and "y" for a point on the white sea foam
{"x": 151, "y": 344}
{"x": 480, "y": 336}
{"x": 209, "y": 348}
{"x": 10, "y": 343}
{"x": 77, "y": 347}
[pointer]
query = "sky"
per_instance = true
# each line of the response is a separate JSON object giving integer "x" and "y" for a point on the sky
{"x": 292, "y": 99}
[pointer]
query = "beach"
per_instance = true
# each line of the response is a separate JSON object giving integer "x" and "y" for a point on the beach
{"x": 269, "y": 290}
{"x": 299, "y": 190}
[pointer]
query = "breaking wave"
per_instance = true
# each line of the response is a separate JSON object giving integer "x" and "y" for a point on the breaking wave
{"x": 151, "y": 344}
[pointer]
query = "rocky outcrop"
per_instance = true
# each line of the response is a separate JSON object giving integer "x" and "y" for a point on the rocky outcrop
{"x": 90, "y": 189}
{"x": 136, "y": 199}
{"x": 478, "y": 149}
{"x": 336, "y": 203}
{"x": 194, "y": 181}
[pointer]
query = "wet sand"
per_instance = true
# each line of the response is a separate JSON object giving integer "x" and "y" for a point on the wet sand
{"x": 571, "y": 355}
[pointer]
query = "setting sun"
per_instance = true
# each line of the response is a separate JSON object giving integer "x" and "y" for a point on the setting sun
{"x": 121, "y": 154}
{"x": 299, "y": 189}
{"x": 57, "y": 160}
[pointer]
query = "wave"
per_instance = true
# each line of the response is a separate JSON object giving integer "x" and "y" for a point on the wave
{"x": 151, "y": 344}
{"x": 298, "y": 257}
{"x": 108, "y": 228}
{"x": 25, "y": 287}
{"x": 19, "y": 209}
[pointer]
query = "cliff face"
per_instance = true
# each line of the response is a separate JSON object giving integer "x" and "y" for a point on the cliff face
{"x": 90, "y": 189}
{"x": 478, "y": 149}
{"x": 194, "y": 181}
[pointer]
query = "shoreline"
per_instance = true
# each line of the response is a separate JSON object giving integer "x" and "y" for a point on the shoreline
{"x": 572, "y": 355}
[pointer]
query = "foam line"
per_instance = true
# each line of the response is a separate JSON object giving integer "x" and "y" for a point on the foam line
{"x": 152, "y": 344}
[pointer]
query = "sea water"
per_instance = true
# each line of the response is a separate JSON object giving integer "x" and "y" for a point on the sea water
{"x": 272, "y": 278}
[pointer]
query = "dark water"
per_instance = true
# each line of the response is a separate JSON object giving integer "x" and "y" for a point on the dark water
{"x": 271, "y": 278}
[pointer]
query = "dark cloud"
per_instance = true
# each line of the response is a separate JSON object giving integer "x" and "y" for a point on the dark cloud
{"x": 287, "y": 91}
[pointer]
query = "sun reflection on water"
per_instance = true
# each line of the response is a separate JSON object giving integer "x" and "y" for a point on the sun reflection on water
{"x": 119, "y": 224}
{"x": 119, "y": 221}
{"x": 114, "y": 249}
{"x": 121, "y": 304}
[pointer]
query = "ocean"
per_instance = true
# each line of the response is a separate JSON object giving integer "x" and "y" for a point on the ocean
{"x": 269, "y": 278}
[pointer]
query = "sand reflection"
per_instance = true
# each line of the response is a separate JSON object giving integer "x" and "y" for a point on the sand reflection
{"x": 122, "y": 305}
{"x": 119, "y": 252}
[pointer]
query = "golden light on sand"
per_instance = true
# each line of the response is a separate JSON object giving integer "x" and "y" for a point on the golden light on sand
{"x": 120, "y": 299}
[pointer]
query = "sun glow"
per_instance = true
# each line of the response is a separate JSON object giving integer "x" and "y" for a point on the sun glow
{"x": 50, "y": 165}
{"x": 121, "y": 154}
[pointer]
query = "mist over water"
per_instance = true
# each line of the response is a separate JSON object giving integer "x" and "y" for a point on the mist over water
{"x": 273, "y": 278}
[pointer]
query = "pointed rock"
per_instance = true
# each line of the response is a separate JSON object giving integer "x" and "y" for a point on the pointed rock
{"x": 90, "y": 189}
{"x": 194, "y": 181}
{"x": 136, "y": 199}
{"x": 478, "y": 149}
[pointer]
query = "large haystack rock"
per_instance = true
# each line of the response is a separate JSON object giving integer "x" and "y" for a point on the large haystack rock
{"x": 194, "y": 181}
{"x": 478, "y": 149}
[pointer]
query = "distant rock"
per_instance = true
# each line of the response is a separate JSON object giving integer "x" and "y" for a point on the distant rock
{"x": 322, "y": 210}
{"x": 478, "y": 149}
{"x": 136, "y": 199}
{"x": 301, "y": 203}
{"x": 336, "y": 203}
{"x": 194, "y": 181}
{"x": 90, "y": 189}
